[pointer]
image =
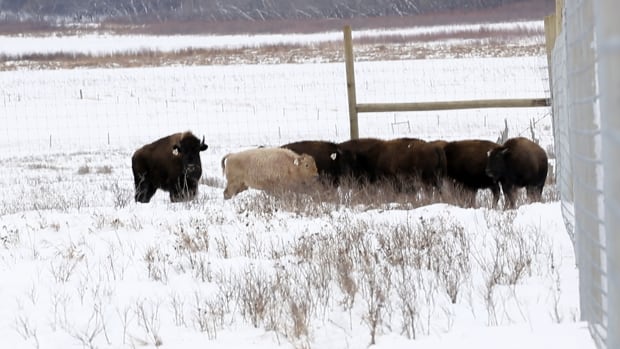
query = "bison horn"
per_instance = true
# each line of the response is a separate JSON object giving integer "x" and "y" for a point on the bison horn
{"x": 203, "y": 146}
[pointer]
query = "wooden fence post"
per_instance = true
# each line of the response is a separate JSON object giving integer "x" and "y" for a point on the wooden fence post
{"x": 355, "y": 108}
{"x": 559, "y": 6}
{"x": 348, "y": 58}
{"x": 550, "y": 35}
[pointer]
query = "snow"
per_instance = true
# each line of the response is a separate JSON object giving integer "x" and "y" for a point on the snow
{"x": 82, "y": 265}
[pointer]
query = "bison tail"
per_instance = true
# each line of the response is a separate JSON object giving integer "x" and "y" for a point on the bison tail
{"x": 224, "y": 163}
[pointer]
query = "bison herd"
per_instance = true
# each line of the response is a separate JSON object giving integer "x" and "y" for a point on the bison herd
{"x": 409, "y": 165}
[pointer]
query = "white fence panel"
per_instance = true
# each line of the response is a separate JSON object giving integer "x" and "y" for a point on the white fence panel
{"x": 586, "y": 100}
{"x": 608, "y": 49}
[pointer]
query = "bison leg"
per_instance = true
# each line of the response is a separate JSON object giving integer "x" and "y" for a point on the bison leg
{"x": 145, "y": 192}
{"x": 469, "y": 197}
{"x": 144, "y": 189}
{"x": 186, "y": 193}
{"x": 433, "y": 188}
{"x": 182, "y": 195}
{"x": 185, "y": 189}
{"x": 534, "y": 192}
{"x": 233, "y": 189}
{"x": 509, "y": 195}
{"x": 394, "y": 183}
{"x": 496, "y": 193}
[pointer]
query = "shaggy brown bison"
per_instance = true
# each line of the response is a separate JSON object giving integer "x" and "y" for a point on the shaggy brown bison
{"x": 518, "y": 163}
{"x": 407, "y": 161}
{"x": 402, "y": 162}
{"x": 172, "y": 164}
{"x": 332, "y": 161}
{"x": 365, "y": 152}
{"x": 266, "y": 169}
{"x": 466, "y": 166}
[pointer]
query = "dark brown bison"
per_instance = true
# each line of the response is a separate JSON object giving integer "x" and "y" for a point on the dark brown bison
{"x": 267, "y": 169}
{"x": 172, "y": 164}
{"x": 365, "y": 153}
{"x": 466, "y": 166}
{"x": 402, "y": 162}
{"x": 518, "y": 163}
{"x": 407, "y": 161}
{"x": 332, "y": 161}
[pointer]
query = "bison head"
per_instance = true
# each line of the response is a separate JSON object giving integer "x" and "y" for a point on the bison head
{"x": 306, "y": 166}
{"x": 188, "y": 149}
{"x": 496, "y": 162}
{"x": 346, "y": 161}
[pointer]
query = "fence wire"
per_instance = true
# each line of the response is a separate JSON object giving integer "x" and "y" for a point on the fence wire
{"x": 586, "y": 99}
{"x": 246, "y": 105}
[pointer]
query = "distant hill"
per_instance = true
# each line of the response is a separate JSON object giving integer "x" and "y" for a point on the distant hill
{"x": 205, "y": 11}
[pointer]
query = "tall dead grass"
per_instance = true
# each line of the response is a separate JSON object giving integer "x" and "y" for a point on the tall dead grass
{"x": 319, "y": 200}
{"x": 395, "y": 276}
{"x": 484, "y": 41}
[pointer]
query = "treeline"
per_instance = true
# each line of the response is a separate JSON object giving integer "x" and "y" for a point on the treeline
{"x": 136, "y": 11}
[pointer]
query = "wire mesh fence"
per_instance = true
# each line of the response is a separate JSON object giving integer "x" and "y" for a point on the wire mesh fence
{"x": 245, "y": 105}
{"x": 117, "y": 107}
{"x": 585, "y": 93}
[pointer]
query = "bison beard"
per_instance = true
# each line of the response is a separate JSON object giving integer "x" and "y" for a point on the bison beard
{"x": 172, "y": 164}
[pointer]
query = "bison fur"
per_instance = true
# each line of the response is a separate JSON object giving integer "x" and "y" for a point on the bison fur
{"x": 332, "y": 161}
{"x": 518, "y": 163}
{"x": 466, "y": 166}
{"x": 267, "y": 169}
{"x": 172, "y": 164}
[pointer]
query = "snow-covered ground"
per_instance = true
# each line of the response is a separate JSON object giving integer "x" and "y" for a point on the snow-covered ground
{"x": 82, "y": 265}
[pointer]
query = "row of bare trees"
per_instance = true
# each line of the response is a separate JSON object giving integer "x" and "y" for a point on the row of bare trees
{"x": 217, "y": 10}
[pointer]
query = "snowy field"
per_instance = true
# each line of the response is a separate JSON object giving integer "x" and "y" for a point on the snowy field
{"x": 102, "y": 44}
{"x": 83, "y": 266}
{"x": 87, "y": 109}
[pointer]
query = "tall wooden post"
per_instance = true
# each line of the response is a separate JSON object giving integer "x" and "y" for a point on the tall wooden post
{"x": 559, "y": 7}
{"x": 550, "y": 35}
{"x": 348, "y": 58}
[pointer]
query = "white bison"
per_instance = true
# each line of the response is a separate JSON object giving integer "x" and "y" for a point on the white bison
{"x": 266, "y": 169}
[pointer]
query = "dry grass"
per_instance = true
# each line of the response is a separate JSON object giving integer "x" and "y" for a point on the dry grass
{"x": 318, "y": 200}
{"x": 483, "y": 42}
